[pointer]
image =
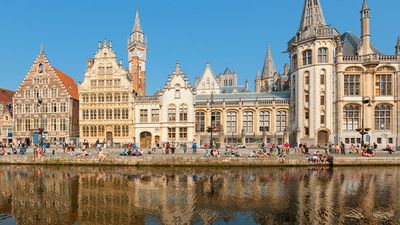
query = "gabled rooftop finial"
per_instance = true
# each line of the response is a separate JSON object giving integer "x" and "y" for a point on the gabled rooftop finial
{"x": 41, "y": 48}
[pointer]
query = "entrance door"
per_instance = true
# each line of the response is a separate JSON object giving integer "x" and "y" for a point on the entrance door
{"x": 157, "y": 140}
{"x": 323, "y": 137}
{"x": 109, "y": 137}
{"x": 145, "y": 140}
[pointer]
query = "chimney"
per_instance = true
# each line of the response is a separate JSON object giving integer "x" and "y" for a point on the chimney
{"x": 247, "y": 85}
{"x": 120, "y": 62}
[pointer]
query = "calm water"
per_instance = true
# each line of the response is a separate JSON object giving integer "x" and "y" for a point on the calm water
{"x": 91, "y": 195}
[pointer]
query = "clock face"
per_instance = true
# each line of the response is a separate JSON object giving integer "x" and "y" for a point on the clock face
{"x": 132, "y": 53}
{"x": 140, "y": 54}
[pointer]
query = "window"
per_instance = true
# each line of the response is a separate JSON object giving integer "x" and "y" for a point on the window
{"x": 306, "y": 97}
{"x": 100, "y": 83}
{"x": 53, "y": 93}
{"x": 307, "y": 57}
{"x": 351, "y": 117}
{"x": 63, "y": 124}
{"x": 264, "y": 121}
{"x": 125, "y": 97}
{"x": 307, "y": 131}
{"x": 93, "y": 98}
{"x": 183, "y": 133}
{"x": 109, "y": 97}
{"x": 63, "y": 107}
{"x": 322, "y": 77}
{"x": 177, "y": 94}
{"x": 352, "y": 85}
{"x": 294, "y": 62}
{"x": 200, "y": 121}
{"x": 93, "y": 83}
{"x": 19, "y": 108}
{"x": 109, "y": 114}
{"x": 307, "y": 78}
{"x": 171, "y": 133}
{"x": 53, "y": 124}
{"x": 306, "y": 114}
{"x": 85, "y": 98}
{"x": 322, "y": 99}
{"x": 101, "y": 131}
{"x": 155, "y": 115}
{"x": 231, "y": 119}
{"x": 280, "y": 121}
{"x": 183, "y": 113}
{"x": 117, "y": 114}
{"x": 27, "y": 125}
{"x": 109, "y": 83}
{"x": 379, "y": 140}
{"x": 117, "y": 83}
{"x": 322, "y": 118}
{"x": 172, "y": 113}
{"x": 41, "y": 68}
{"x": 100, "y": 114}
{"x": 117, "y": 97}
{"x": 215, "y": 119}
{"x": 390, "y": 140}
{"x": 85, "y": 131}
{"x": 383, "y": 85}
{"x": 93, "y": 114}
{"x": 27, "y": 108}
{"x": 322, "y": 55}
{"x": 143, "y": 116}
{"x": 53, "y": 107}
{"x": 101, "y": 98}
{"x": 27, "y": 94}
{"x": 117, "y": 131}
{"x": 248, "y": 122}
{"x": 125, "y": 131}
{"x": 85, "y": 115}
{"x": 382, "y": 117}
{"x": 125, "y": 114}
{"x": 93, "y": 131}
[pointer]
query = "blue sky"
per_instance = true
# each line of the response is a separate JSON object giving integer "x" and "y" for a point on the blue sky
{"x": 232, "y": 33}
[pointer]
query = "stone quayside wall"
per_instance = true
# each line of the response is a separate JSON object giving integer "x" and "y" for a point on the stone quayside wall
{"x": 203, "y": 162}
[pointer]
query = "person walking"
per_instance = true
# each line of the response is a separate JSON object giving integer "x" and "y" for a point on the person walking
{"x": 184, "y": 146}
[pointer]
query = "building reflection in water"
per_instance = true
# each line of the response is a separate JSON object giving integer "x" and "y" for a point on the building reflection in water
{"x": 50, "y": 195}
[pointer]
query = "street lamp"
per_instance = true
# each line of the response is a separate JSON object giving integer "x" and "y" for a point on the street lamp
{"x": 363, "y": 131}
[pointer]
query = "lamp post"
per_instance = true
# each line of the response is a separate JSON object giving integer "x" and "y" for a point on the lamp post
{"x": 211, "y": 124}
{"x": 363, "y": 131}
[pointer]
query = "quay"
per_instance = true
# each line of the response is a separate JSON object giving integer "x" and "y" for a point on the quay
{"x": 198, "y": 160}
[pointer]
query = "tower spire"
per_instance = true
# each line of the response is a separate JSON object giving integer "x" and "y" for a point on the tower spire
{"x": 398, "y": 46}
{"x": 269, "y": 66}
{"x": 365, "y": 45}
{"x": 137, "y": 27}
{"x": 312, "y": 16}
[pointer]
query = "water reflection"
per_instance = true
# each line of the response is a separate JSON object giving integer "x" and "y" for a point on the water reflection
{"x": 90, "y": 195}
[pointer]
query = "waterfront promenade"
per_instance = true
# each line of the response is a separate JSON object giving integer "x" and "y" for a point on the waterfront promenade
{"x": 180, "y": 159}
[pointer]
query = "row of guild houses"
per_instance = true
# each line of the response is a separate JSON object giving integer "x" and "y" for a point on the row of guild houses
{"x": 335, "y": 86}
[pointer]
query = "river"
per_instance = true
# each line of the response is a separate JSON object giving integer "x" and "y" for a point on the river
{"x": 38, "y": 195}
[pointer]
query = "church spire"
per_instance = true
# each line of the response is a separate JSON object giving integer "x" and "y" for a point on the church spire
{"x": 312, "y": 16}
{"x": 269, "y": 66}
{"x": 398, "y": 46}
{"x": 365, "y": 45}
{"x": 137, "y": 27}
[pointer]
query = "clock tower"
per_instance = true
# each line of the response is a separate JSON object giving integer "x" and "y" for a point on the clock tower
{"x": 137, "y": 50}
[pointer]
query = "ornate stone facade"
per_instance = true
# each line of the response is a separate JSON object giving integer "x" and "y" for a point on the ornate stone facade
{"x": 331, "y": 74}
{"x": 106, "y": 100}
{"x": 46, "y": 104}
{"x": 6, "y": 117}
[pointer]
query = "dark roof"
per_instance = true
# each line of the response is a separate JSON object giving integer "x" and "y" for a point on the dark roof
{"x": 6, "y": 96}
{"x": 350, "y": 44}
{"x": 248, "y": 96}
{"x": 239, "y": 89}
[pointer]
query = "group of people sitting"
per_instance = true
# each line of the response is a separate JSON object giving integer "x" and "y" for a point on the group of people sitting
{"x": 131, "y": 152}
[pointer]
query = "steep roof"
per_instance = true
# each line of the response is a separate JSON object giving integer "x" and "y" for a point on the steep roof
{"x": 6, "y": 96}
{"x": 247, "y": 96}
{"x": 68, "y": 83}
{"x": 269, "y": 65}
{"x": 137, "y": 27}
{"x": 312, "y": 16}
{"x": 351, "y": 43}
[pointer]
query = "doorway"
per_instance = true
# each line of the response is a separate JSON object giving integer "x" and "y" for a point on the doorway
{"x": 145, "y": 140}
{"x": 323, "y": 137}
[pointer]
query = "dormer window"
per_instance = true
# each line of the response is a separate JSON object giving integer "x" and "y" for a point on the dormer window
{"x": 41, "y": 68}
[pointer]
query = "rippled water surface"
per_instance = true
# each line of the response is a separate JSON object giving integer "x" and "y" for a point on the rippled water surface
{"x": 107, "y": 196}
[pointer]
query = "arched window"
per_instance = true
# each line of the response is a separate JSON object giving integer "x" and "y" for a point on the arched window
{"x": 183, "y": 113}
{"x": 215, "y": 119}
{"x": 109, "y": 97}
{"x": 171, "y": 113}
{"x": 200, "y": 121}
{"x": 307, "y": 57}
{"x": 351, "y": 117}
{"x": 382, "y": 117}
{"x": 93, "y": 98}
{"x": 264, "y": 121}
{"x": 322, "y": 77}
{"x": 101, "y": 98}
{"x": 306, "y": 78}
{"x": 85, "y": 98}
{"x": 248, "y": 122}
{"x": 231, "y": 119}
{"x": 281, "y": 121}
{"x": 322, "y": 55}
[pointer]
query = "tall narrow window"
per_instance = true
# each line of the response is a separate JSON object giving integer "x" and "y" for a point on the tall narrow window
{"x": 172, "y": 113}
{"x": 215, "y": 119}
{"x": 382, "y": 117}
{"x": 143, "y": 116}
{"x": 200, "y": 121}
{"x": 183, "y": 113}
{"x": 322, "y": 55}
{"x": 264, "y": 121}
{"x": 322, "y": 99}
{"x": 352, "y": 85}
{"x": 322, "y": 77}
{"x": 383, "y": 85}
{"x": 280, "y": 121}
{"x": 231, "y": 119}
{"x": 351, "y": 117}
{"x": 307, "y": 57}
{"x": 248, "y": 122}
